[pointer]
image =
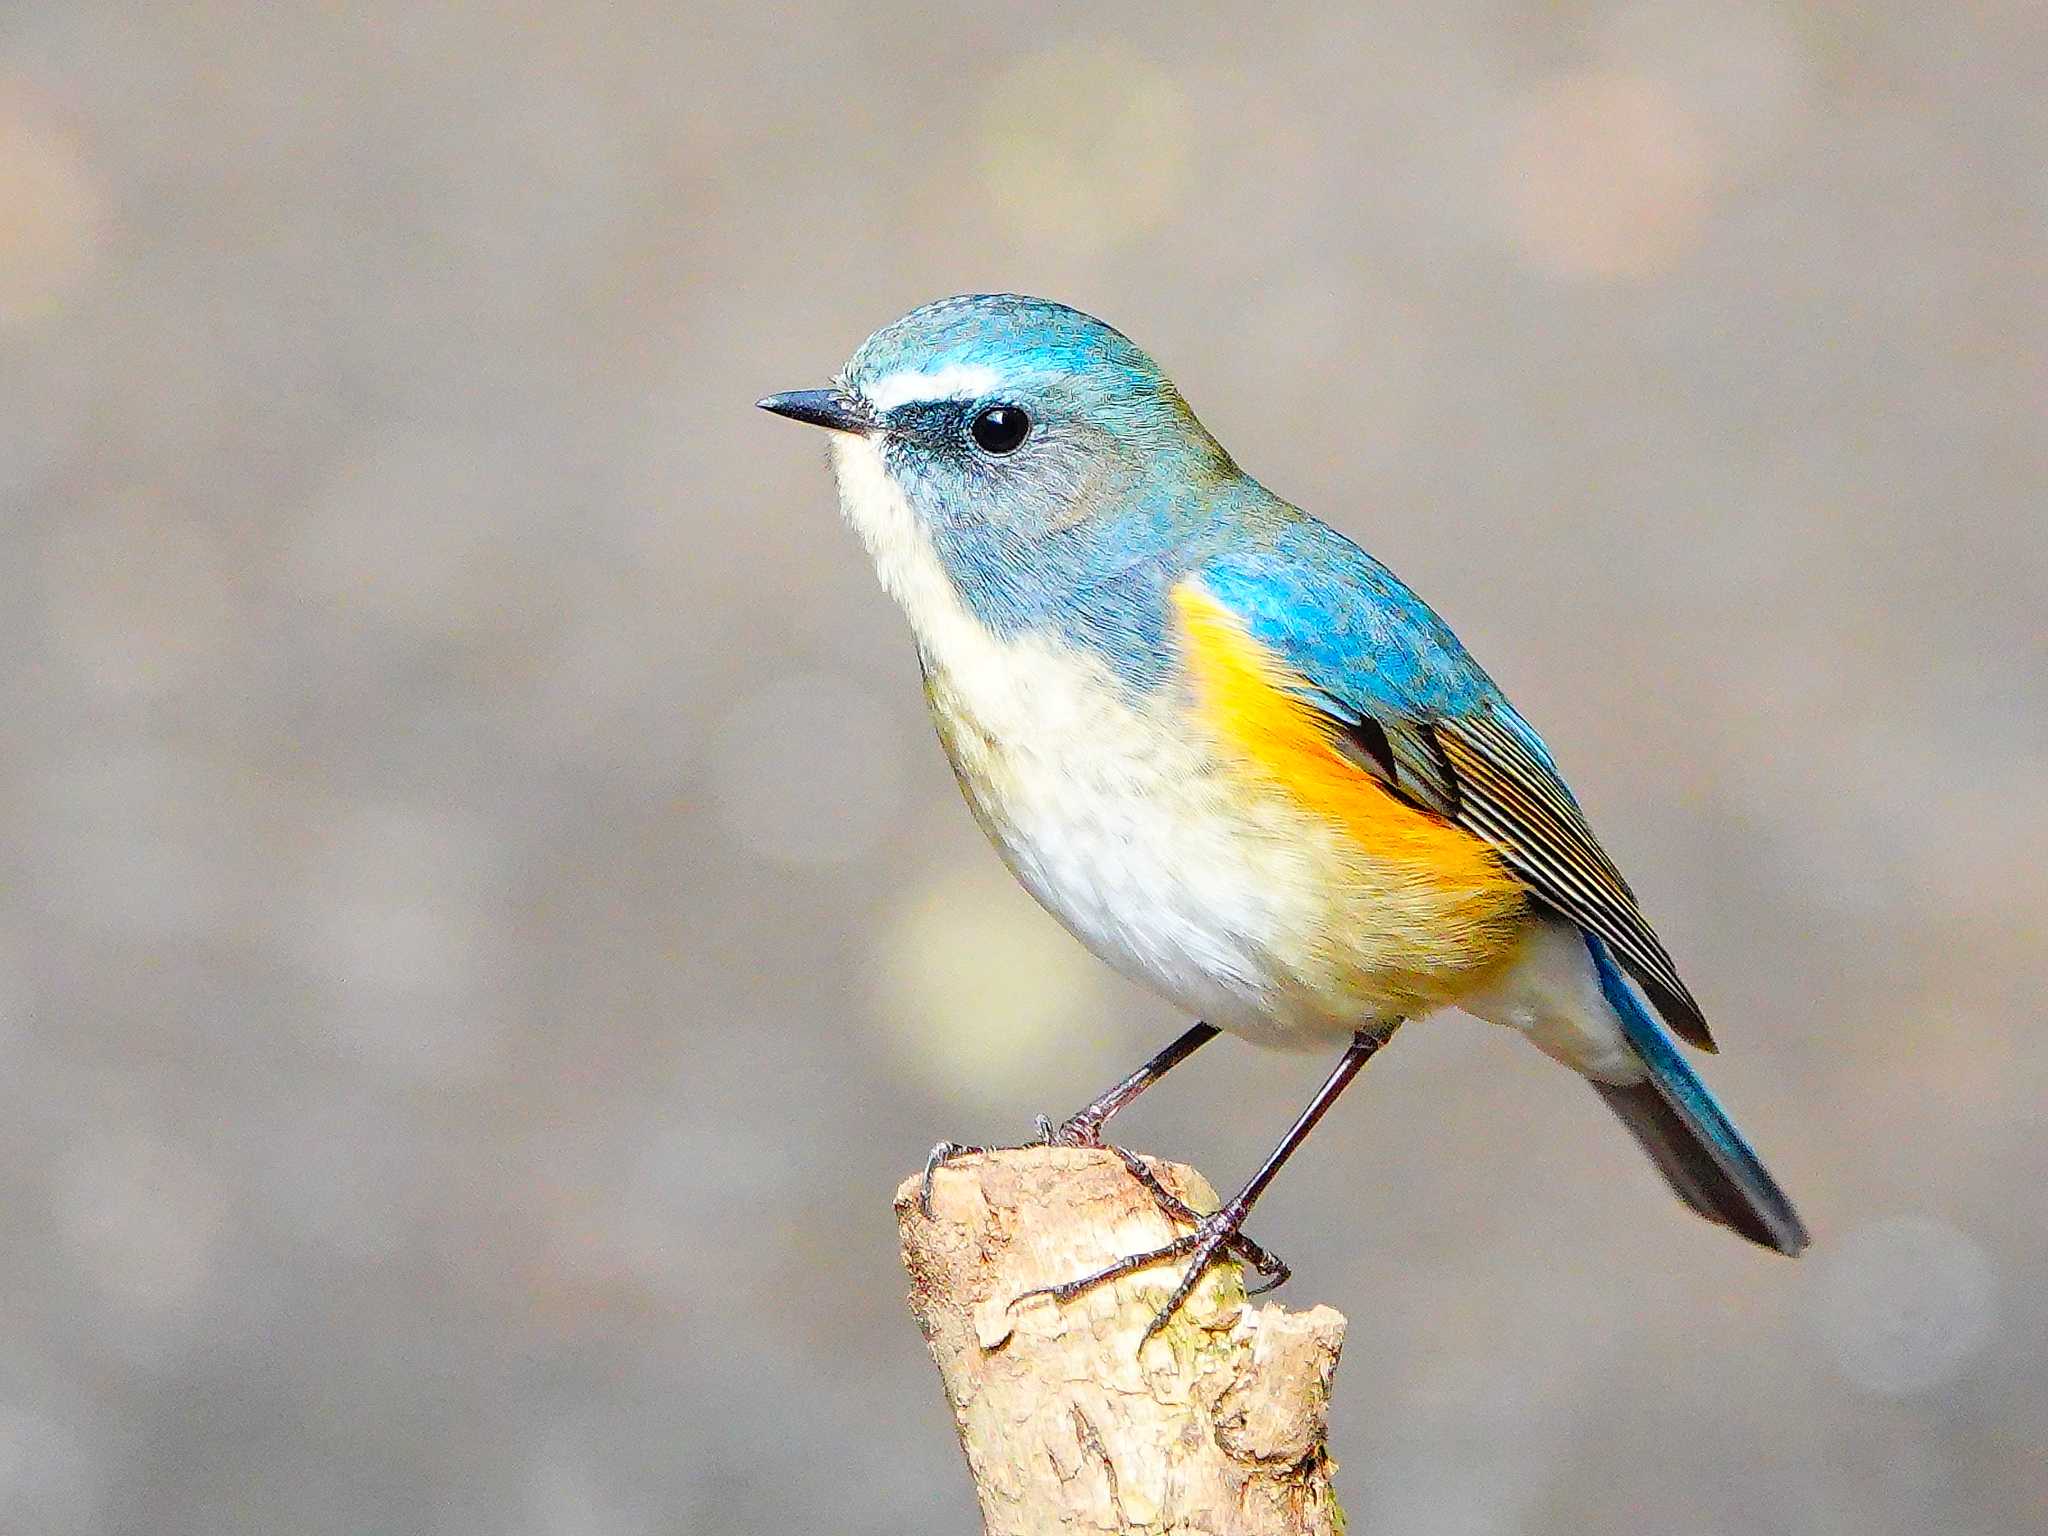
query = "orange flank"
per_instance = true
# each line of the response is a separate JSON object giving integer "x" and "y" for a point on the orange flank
{"x": 1415, "y": 875}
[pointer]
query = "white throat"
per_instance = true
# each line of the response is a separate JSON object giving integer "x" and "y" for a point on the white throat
{"x": 898, "y": 544}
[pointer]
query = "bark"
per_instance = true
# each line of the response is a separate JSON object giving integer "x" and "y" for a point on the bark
{"x": 1216, "y": 1427}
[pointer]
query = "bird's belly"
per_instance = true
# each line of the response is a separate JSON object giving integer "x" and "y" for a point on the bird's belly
{"x": 1235, "y": 902}
{"x": 1116, "y": 839}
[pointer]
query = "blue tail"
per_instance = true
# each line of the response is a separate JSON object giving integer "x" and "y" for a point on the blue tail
{"x": 1689, "y": 1138}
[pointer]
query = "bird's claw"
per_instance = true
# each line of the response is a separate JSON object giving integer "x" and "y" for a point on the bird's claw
{"x": 1077, "y": 1131}
{"x": 941, "y": 1155}
{"x": 1201, "y": 1247}
{"x": 1270, "y": 1268}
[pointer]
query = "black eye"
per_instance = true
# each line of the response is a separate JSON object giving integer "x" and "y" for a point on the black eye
{"x": 1001, "y": 429}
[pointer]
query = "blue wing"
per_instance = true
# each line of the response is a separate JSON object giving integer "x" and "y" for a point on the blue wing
{"x": 1399, "y": 687}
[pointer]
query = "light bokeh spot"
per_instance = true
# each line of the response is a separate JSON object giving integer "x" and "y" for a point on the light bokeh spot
{"x": 1905, "y": 1304}
{"x": 1606, "y": 176}
{"x": 1084, "y": 150}
{"x": 52, "y": 212}
{"x": 1736, "y": 64}
{"x": 986, "y": 997}
{"x": 806, "y": 771}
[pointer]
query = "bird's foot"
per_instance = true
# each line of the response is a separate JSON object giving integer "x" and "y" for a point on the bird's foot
{"x": 1209, "y": 1238}
{"x": 1049, "y": 1135}
{"x": 1085, "y": 1130}
{"x": 1082, "y": 1130}
{"x": 1271, "y": 1269}
{"x": 1064, "y": 1134}
{"x": 941, "y": 1155}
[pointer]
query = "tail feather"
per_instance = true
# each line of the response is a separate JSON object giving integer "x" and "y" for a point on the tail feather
{"x": 1687, "y": 1135}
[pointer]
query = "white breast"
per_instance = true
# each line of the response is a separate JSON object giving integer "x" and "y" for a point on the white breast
{"x": 1106, "y": 811}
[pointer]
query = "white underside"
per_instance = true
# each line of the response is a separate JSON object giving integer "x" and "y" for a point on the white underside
{"x": 1552, "y": 994}
{"x": 1120, "y": 828}
{"x": 1083, "y": 816}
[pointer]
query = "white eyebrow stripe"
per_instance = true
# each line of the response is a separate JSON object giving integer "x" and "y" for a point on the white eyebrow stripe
{"x": 955, "y": 381}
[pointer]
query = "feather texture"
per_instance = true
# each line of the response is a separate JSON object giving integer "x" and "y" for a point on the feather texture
{"x": 1686, "y": 1132}
{"x": 1389, "y": 673}
{"x": 1517, "y": 803}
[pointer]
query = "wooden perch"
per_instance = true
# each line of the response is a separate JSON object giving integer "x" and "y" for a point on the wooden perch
{"x": 1218, "y": 1428}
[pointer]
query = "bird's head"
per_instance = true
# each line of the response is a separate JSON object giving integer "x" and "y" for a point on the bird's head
{"x": 1022, "y": 448}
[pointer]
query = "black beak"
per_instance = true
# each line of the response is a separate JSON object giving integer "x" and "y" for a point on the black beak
{"x": 823, "y": 408}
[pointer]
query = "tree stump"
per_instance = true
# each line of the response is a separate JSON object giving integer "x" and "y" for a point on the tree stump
{"x": 1218, "y": 1426}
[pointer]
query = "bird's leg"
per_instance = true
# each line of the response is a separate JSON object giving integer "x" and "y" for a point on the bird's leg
{"x": 1084, "y": 1128}
{"x": 1212, "y": 1234}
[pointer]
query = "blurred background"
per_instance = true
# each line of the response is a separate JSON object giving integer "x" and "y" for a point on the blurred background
{"x": 486, "y": 924}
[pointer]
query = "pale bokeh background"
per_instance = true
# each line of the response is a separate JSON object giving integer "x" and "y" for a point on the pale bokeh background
{"x": 485, "y": 924}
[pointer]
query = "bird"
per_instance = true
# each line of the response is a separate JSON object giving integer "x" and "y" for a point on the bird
{"x": 1235, "y": 756}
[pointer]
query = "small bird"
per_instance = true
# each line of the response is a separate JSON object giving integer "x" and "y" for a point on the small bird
{"x": 1234, "y": 755}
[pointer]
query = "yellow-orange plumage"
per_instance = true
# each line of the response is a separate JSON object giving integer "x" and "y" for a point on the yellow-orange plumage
{"x": 1416, "y": 907}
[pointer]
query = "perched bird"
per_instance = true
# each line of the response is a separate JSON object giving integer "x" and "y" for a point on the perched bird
{"x": 1233, "y": 753}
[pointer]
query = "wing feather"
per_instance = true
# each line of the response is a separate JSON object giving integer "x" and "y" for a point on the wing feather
{"x": 1411, "y": 707}
{"x": 1516, "y": 802}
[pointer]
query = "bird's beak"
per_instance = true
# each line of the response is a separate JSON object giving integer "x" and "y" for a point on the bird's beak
{"x": 832, "y": 408}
